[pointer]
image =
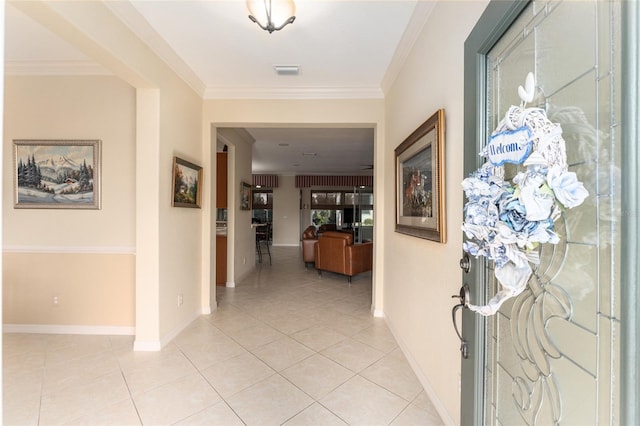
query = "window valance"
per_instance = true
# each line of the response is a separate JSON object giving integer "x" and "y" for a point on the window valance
{"x": 265, "y": 181}
{"x": 307, "y": 181}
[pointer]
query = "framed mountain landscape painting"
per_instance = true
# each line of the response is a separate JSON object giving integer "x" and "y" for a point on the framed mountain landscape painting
{"x": 57, "y": 174}
{"x": 187, "y": 184}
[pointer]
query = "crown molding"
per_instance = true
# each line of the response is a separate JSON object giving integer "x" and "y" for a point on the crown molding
{"x": 293, "y": 93}
{"x": 55, "y": 68}
{"x": 130, "y": 16}
{"x": 229, "y": 135}
{"x": 419, "y": 18}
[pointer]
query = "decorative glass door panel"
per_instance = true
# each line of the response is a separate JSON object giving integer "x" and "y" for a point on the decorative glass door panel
{"x": 552, "y": 352}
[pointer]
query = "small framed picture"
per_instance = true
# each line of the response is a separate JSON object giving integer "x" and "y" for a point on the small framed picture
{"x": 56, "y": 174}
{"x": 245, "y": 196}
{"x": 187, "y": 184}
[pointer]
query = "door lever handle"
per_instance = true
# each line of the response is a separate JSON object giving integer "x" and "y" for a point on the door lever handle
{"x": 464, "y": 345}
{"x": 464, "y": 301}
{"x": 464, "y": 295}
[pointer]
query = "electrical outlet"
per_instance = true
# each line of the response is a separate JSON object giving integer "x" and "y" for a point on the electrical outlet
{"x": 244, "y": 260}
{"x": 180, "y": 299}
{"x": 55, "y": 301}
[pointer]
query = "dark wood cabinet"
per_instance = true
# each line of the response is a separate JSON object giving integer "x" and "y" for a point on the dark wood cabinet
{"x": 221, "y": 259}
{"x": 221, "y": 179}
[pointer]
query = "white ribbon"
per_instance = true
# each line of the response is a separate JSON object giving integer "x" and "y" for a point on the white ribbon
{"x": 513, "y": 280}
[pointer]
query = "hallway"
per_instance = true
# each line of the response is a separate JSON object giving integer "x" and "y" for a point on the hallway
{"x": 283, "y": 347}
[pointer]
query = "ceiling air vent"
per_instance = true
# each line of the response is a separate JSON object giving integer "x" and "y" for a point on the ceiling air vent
{"x": 287, "y": 69}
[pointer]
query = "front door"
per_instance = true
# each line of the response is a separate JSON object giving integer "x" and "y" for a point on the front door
{"x": 553, "y": 355}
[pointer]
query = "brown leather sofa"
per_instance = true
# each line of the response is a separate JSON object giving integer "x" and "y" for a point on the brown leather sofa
{"x": 327, "y": 227}
{"x": 309, "y": 240}
{"x": 335, "y": 252}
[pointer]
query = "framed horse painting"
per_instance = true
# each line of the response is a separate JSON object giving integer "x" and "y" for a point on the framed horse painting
{"x": 420, "y": 195}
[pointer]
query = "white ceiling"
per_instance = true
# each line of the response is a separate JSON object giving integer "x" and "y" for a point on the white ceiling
{"x": 345, "y": 49}
{"x": 313, "y": 151}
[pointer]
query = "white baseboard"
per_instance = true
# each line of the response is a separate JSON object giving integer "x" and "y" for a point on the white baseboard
{"x": 378, "y": 313}
{"x": 148, "y": 346}
{"x": 177, "y": 330}
{"x": 206, "y": 310}
{"x": 286, "y": 245}
{"x": 426, "y": 384}
{"x": 230, "y": 284}
{"x": 69, "y": 329}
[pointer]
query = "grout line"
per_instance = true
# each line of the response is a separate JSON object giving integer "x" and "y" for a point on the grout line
{"x": 326, "y": 302}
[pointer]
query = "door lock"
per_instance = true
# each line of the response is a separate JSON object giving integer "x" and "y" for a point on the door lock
{"x": 464, "y": 302}
{"x": 465, "y": 263}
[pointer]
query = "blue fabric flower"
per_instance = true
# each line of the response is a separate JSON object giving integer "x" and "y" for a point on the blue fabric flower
{"x": 566, "y": 187}
{"x": 513, "y": 213}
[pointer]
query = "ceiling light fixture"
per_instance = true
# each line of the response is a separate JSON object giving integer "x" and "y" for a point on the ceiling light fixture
{"x": 271, "y": 15}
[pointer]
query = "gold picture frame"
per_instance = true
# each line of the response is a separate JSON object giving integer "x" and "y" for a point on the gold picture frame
{"x": 420, "y": 181}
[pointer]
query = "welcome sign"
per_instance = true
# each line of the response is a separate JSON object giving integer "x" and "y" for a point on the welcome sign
{"x": 511, "y": 146}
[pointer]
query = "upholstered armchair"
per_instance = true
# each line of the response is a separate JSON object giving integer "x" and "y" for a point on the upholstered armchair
{"x": 309, "y": 240}
{"x": 335, "y": 252}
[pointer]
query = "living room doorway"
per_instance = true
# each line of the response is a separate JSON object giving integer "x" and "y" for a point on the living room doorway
{"x": 317, "y": 150}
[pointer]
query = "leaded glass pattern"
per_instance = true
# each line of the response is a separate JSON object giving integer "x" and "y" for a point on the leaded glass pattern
{"x": 552, "y": 353}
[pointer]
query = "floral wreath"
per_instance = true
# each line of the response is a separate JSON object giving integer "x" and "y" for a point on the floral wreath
{"x": 506, "y": 222}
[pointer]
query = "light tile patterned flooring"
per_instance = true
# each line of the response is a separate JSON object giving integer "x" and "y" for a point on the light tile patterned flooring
{"x": 284, "y": 347}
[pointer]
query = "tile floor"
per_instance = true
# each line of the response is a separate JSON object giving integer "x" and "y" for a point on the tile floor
{"x": 285, "y": 347}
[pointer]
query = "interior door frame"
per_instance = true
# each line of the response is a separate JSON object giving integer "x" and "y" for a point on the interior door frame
{"x": 494, "y": 22}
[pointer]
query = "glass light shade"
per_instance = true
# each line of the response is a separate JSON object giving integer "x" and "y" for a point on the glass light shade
{"x": 272, "y": 15}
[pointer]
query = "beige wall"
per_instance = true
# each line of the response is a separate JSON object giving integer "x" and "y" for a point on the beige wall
{"x": 421, "y": 275}
{"x": 73, "y": 108}
{"x": 167, "y": 118}
{"x": 84, "y": 257}
{"x": 305, "y": 211}
{"x": 241, "y": 248}
{"x": 93, "y": 291}
{"x": 180, "y": 251}
{"x": 286, "y": 212}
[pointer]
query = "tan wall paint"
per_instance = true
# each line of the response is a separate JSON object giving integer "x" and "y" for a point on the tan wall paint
{"x": 241, "y": 248}
{"x": 286, "y": 212}
{"x": 180, "y": 228}
{"x": 73, "y": 108}
{"x": 45, "y": 247}
{"x": 92, "y": 289}
{"x": 170, "y": 251}
{"x": 147, "y": 219}
{"x": 421, "y": 275}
